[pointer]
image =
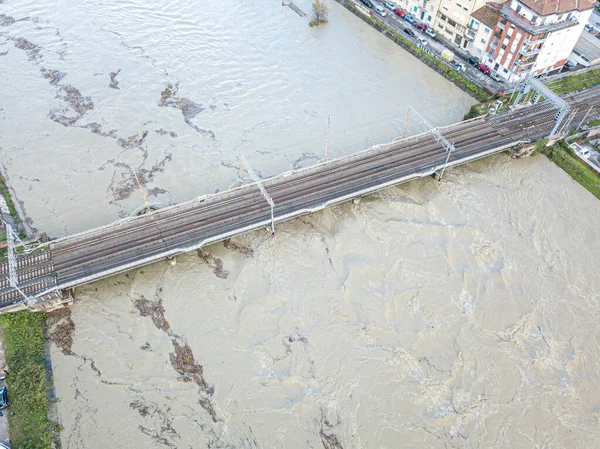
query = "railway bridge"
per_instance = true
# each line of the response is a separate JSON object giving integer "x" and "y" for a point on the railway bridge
{"x": 36, "y": 279}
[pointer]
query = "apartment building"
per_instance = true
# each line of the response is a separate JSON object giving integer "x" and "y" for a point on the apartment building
{"x": 423, "y": 10}
{"x": 533, "y": 37}
{"x": 453, "y": 17}
{"x": 479, "y": 30}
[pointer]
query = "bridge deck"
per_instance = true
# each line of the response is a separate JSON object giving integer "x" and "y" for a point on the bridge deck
{"x": 134, "y": 242}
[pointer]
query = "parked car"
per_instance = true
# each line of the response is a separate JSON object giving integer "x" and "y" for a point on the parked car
{"x": 495, "y": 76}
{"x": 473, "y": 60}
{"x": 380, "y": 10}
{"x": 429, "y": 32}
{"x": 391, "y": 5}
{"x": 422, "y": 40}
{"x": 409, "y": 32}
{"x": 3, "y": 398}
{"x": 400, "y": 12}
{"x": 460, "y": 66}
{"x": 422, "y": 26}
{"x": 367, "y": 3}
{"x": 409, "y": 18}
{"x": 585, "y": 153}
{"x": 485, "y": 69}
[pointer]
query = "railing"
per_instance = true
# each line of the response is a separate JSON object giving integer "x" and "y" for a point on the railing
{"x": 539, "y": 40}
{"x": 510, "y": 14}
{"x": 524, "y": 63}
{"x": 529, "y": 52}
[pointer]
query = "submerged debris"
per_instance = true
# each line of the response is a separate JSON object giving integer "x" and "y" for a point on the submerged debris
{"x": 55, "y": 76}
{"x": 96, "y": 128}
{"x": 154, "y": 310}
{"x": 32, "y": 50}
{"x": 113, "y": 79}
{"x": 6, "y": 20}
{"x": 214, "y": 262}
{"x": 76, "y": 103}
{"x": 133, "y": 141}
{"x": 182, "y": 358}
{"x": 328, "y": 438}
{"x": 189, "y": 109}
{"x": 232, "y": 246}
{"x": 60, "y": 329}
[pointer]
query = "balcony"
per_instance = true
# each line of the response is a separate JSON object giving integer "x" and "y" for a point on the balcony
{"x": 473, "y": 25}
{"x": 539, "y": 40}
{"x": 510, "y": 14}
{"x": 524, "y": 62}
{"x": 529, "y": 51}
{"x": 470, "y": 34}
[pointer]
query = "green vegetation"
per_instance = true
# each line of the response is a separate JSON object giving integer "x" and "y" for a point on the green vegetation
{"x": 448, "y": 72}
{"x": 24, "y": 341}
{"x": 320, "y": 12}
{"x": 562, "y": 155}
{"x": 576, "y": 82}
{"x": 11, "y": 206}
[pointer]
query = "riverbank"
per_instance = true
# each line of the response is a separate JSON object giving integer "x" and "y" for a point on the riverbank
{"x": 447, "y": 71}
{"x": 564, "y": 85}
{"x": 562, "y": 155}
{"x": 24, "y": 349}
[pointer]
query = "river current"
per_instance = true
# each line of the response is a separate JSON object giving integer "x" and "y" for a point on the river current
{"x": 431, "y": 315}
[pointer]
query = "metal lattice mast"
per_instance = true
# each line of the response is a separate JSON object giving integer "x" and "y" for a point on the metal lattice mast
{"x": 13, "y": 241}
{"x": 541, "y": 89}
{"x": 262, "y": 190}
{"x": 449, "y": 147}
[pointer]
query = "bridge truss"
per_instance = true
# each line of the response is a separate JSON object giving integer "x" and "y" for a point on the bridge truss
{"x": 540, "y": 89}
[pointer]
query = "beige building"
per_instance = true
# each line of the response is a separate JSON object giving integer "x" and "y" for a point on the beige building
{"x": 453, "y": 18}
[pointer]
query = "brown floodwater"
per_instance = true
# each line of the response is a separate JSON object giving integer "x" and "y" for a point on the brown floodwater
{"x": 458, "y": 314}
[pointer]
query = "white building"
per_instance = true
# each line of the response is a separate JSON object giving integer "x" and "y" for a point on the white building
{"x": 479, "y": 30}
{"x": 535, "y": 36}
{"x": 422, "y": 10}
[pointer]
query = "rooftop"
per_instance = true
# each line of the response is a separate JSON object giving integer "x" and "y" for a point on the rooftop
{"x": 487, "y": 15}
{"x": 589, "y": 46}
{"x": 547, "y": 7}
{"x": 533, "y": 29}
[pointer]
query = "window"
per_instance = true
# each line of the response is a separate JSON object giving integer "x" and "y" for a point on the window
{"x": 533, "y": 19}
{"x": 444, "y": 8}
{"x": 569, "y": 16}
{"x": 458, "y": 4}
{"x": 518, "y": 8}
{"x": 431, "y": 8}
{"x": 483, "y": 41}
{"x": 505, "y": 70}
{"x": 508, "y": 36}
{"x": 503, "y": 46}
{"x": 486, "y": 31}
{"x": 465, "y": 8}
{"x": 452, "y": 23}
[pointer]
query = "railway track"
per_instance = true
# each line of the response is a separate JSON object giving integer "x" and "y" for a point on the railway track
{"x": 131, "y": 243}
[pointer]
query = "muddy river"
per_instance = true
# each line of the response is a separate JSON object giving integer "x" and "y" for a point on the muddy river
{"x": 431, "y": 315}
{"x": 173, "y": 91}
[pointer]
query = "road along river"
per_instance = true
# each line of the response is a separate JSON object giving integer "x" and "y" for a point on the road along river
{"x": 173, "y": 91}
{"x": 431, "y": 315}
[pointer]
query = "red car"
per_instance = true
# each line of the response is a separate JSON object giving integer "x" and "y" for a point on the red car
{"x": 400, "y": 12}
{"x": 422, "y": 26}
{"x": 485, "y": 69}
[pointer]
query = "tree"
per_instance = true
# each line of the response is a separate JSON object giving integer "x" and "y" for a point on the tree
{"x": 320, "y": 11}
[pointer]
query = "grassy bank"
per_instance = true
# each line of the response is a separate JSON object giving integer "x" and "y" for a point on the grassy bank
{"x": 443, "y": 69}
{"x": 24, "y": 342}
{"x": 575, "y": 83}
{"x": 565, "y": 158}
{"x": 9, "y": 202}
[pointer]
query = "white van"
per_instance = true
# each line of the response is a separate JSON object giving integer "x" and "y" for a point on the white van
{"x": 585, "y": 153}
{"x": 379, "y": 10}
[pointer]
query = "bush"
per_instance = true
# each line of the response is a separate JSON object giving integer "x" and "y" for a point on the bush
{"x": 24, "y": 341}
